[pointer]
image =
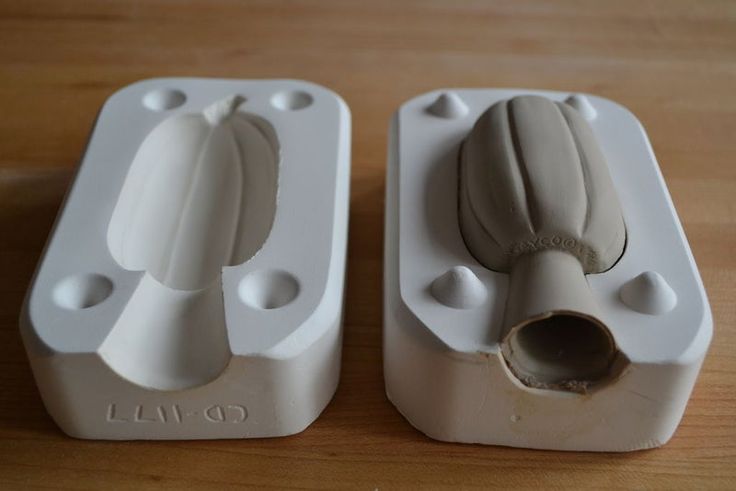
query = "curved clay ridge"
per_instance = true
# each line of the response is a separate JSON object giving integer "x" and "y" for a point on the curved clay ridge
{"x": 199, "y": 195}
{"x": 537, "y": 201}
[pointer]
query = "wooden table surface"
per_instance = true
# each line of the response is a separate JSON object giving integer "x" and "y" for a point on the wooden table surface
{"x": 673, "y": 63}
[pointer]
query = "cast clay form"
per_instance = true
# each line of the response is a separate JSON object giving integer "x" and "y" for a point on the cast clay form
{"x": 539, "y": 290}
{"x": 537, "y": 202}
{"x": 192, "y": 286}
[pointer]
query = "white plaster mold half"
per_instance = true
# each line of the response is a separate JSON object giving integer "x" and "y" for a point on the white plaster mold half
{"x": 539, "y": 289}
{"x": 192, "y": 286}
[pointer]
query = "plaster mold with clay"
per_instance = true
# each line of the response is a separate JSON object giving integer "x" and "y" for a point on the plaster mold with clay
{"x": 539, "y": 290}
{"x": 192, "y": 285}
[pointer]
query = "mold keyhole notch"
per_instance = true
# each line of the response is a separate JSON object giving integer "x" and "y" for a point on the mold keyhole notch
{"x": 536, "y": 201}
{"x": 200, "y": 194}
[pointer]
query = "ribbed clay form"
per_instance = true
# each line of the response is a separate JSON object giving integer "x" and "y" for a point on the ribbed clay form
{"x": 200, "y": 195}
{"x": 536, "y": 201}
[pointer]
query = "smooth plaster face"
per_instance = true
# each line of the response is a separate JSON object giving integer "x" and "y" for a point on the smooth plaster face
{"x": 537, "y": 202}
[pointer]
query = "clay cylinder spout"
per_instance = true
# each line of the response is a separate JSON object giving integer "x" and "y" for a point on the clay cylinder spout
{"x": 554, "y": 336}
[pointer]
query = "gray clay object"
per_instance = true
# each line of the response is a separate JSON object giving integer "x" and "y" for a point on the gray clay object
{"x": 537, "y": 202}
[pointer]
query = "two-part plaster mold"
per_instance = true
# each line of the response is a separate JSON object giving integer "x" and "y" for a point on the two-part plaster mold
{"x": 539, "y": 290}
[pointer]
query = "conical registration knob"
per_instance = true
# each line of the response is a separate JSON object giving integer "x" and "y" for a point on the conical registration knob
{"x": 459, "y": 288}
{"x": 448, "y": 105}
{"x": 583, "y": 106}
{"x": 649, "y": 293}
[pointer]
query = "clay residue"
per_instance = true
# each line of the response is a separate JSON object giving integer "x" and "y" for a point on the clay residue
{"x": 576, "y": 386}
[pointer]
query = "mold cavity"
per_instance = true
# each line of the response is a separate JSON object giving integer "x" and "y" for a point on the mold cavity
{"x": 562, "y": 351}
{"x": 291, "y": 100}
{"x": 164, "y": 99}
{"x": 82, "y": 291}
{"x": 267, "y": 290}
{"x": 200, "y": 195}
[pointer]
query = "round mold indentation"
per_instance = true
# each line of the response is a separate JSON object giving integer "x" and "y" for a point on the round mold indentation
{"x": 164, "y": 99}
{"x": 268, "y": 289}
{"x": 291, "y": 100}
{"x": 82, "y": 291}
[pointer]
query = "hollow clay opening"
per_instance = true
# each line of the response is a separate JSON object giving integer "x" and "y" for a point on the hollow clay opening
{"x": 562, "y": 351}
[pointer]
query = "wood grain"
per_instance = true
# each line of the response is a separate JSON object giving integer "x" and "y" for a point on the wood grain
{"x": 673, "y": 63}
